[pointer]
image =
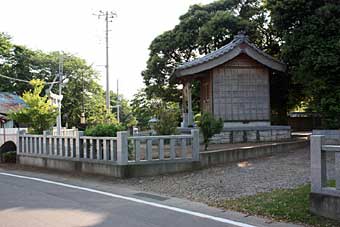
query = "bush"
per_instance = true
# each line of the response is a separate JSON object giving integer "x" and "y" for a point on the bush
{"x": 209, "y": 126}
{"x": 167, "y": 115}
{"x": 106, "y": 130}
{"x": 9, "y": 157}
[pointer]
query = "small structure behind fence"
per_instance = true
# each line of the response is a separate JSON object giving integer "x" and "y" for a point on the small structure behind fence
{"x": 325, "y": 168}
{"x": 65, "y": 131}
{"x": 114, "y": 151}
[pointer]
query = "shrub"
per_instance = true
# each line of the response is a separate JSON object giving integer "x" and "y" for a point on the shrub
{"x": 39, "y": 113}
{"x": 109, "y": 130}
{"x": 209, "y": 126}
{"x": 9, "y": 157}
{"x": 167, "y": 115}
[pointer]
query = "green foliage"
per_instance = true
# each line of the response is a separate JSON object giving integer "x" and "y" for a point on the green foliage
{"x": 39, "y": 114}
{"x": 81, "y": 91}
{"x": 311, "y": 47}
{"x": 126, "y": 116}
{"x": 290, "y": 205}
{"x": 9, "y": 157}
{"x": 105, "y": 130}
{"x": 168, "y": 115}
{"x": 209, "y": 126}
{"x": 143, "y": 109}
{"x": 204, "y": 28}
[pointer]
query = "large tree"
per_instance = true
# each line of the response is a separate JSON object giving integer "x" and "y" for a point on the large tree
{"x": 205, "y": 28}
{"x": 39, "y": 114}
{"x": 311, "y": 47}
{"x": 81, "y": 90}
{"x": 126, "y": 117}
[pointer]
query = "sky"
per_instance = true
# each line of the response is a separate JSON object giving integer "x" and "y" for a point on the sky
{"x": 69, "y": 25}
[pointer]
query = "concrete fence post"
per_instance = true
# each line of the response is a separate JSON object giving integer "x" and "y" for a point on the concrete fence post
{"x": 18, "y": 142}
{"x": 77, "y": 134}
{"x": 195, "y": 144}
{"x": 45, "y": 134}
{"x": 122, "y": 148}
{"x": 337, "y": 170}
{"x": 318, "y": 164}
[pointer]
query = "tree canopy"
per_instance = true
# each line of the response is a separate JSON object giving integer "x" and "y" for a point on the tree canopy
{"x": 39, "y": 114}
{"x": 311, "y": 48}
{"x": 81, "y": 90}
{"x": 303, "y": 33}
{"x": 204, "y": 28}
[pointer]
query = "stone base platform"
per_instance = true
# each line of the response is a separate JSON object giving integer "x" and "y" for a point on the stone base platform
{"x": 250, "y": 134}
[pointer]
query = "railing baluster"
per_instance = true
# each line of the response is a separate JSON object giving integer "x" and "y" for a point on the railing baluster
{"x": 112, "y": 150}
{"x": 61, "y": 147}
{"x": 137, "y": 146}
{"x": 91, "y": 148}
{"x": 31, "y": 145}
{"x": 149, "y": 149}
{"x": 26, "y": 144}
{"x": 98, "y": 151}
{"x": 72, "y": 148}
{"x": 161, "y": 149}
{"x": 67, "y": 153}
{"x": 172, "y": 149}
{"x": 105, "y": 154}
{"x": 85, "y": 148}
{"x": 184, "y": 148}
{"x": 337, "y": 170}
{"x": 51, "y": 145}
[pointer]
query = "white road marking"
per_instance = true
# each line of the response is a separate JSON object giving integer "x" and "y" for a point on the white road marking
{"x": 180, "y": 210}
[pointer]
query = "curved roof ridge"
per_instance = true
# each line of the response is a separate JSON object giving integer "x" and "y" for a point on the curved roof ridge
{"x": 220, "y": 56}
{"x": 225, "y": 49}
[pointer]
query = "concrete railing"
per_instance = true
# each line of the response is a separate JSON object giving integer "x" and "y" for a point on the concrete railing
{"x": 319, "y": 179}
{"x": 121, "y": 150}
{"x": 159, "y": 148}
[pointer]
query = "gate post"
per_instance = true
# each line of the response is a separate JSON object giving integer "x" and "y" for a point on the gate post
{"x": 195, "y": 144}
{"x": 122, "y": 148}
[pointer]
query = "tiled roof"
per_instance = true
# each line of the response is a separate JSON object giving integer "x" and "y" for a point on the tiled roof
{"x": 238, "y": 39}
{"x": 215, "y": 54}
{"x": 10, "y": 102}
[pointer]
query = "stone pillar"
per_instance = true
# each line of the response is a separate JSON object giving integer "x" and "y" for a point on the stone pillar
{"x": 195, "y": 144}
{"x": 190, "y": 113}
{"x": 318, "y": 164}
{"x": 122, "y": 148}
{"x": 76, "y": 152}
{"x": 337, "y": 170}
{"x": 184, "y": 123}
{"x": 44, "y": 150}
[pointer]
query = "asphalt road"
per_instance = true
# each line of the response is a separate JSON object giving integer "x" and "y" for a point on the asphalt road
{"x": 29, "y": 202}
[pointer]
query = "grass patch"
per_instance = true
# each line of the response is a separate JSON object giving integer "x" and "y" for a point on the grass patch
{"x": 291, "y": 205}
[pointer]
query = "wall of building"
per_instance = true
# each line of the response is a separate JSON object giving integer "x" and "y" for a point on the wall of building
{"x": 240, "y": 90}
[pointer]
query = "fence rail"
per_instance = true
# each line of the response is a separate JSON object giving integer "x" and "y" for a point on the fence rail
{"x": 121, "y": 150}
{"x": 319, "y": 165}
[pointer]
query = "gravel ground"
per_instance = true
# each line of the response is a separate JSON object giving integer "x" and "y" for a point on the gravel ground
{"x": 285, "y": 170}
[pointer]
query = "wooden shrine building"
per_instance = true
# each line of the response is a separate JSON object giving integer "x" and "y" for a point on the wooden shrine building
{"x": 234, "y": 84}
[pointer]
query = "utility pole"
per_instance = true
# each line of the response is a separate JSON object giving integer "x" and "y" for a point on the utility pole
{"x": 107, "y": 16}
{"x": 61, "y": 68}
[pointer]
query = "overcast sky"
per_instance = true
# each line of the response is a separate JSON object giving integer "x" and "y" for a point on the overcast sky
{"x": 70, "y": 26}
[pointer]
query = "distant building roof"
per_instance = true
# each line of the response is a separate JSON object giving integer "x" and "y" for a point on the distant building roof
{"x": 10, "y": 102}
{"x": 240, "y": 44}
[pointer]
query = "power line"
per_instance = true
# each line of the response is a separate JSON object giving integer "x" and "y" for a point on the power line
{"x": 24, "y": 81}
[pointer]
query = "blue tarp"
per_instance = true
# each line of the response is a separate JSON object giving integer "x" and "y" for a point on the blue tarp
{"x": 10, "y": 102}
